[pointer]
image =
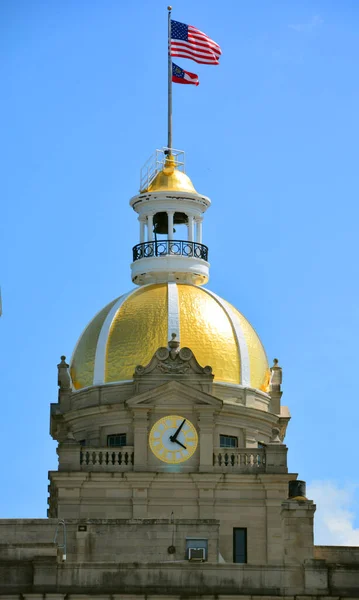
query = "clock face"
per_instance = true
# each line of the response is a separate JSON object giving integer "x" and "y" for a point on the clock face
{"x": 173, "y": 439}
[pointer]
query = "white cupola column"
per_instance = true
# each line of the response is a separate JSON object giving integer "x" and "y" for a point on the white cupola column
{"x": 142, "y": 221}
{"x": 190, "y": 228}
{"x": 170, "y": 215}
{"x": 199, "y": 230}
{"x": 150, "y": 227}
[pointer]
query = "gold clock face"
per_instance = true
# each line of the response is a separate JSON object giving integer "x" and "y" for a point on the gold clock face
{"x": 173, "y": 439}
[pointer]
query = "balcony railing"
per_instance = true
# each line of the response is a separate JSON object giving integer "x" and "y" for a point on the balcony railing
{"x": 107, "y": 459}
{"x": 272, "y": 459}
{"x": 170, "y": 248}
{"x": 239, "y": 460}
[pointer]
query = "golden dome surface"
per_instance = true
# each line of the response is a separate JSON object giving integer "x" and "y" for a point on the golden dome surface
{"x": 129, "y": 330}
{"x": 170, "y": 179}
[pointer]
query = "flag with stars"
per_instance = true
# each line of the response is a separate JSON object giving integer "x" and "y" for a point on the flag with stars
{"x": 181, "y": 76}
{"x": 190, "y": 42}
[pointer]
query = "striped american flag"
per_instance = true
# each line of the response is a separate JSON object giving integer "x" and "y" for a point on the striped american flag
{"x": 190, "y": 42}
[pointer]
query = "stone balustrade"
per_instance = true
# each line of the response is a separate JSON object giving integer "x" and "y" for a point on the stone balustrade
{"x": 271, "y": 459}
{"x": 107, "y": 459}
{"x": 239, "y": 460}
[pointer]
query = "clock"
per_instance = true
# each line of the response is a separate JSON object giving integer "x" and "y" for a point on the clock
{"x": 173, "y": 439}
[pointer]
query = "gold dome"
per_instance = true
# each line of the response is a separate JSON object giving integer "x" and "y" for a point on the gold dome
{"x": 170, "y": 179}
{"x": 129, "y": 330}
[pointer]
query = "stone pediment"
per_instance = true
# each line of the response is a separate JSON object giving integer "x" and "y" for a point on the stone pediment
{"x": 174, "y": 394}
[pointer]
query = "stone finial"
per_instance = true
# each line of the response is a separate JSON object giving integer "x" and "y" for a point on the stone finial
{"x": 276, "y": 376}
{"x": 69, "y": 440}
{"x": 275, "y": 439}
{"x": 173, "y": 345}
{"x": 63, "y": 377}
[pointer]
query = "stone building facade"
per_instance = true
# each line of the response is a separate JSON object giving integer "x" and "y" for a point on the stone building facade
{"x": 172, "y": 479}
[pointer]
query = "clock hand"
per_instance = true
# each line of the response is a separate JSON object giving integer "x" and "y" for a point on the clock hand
{"x": 175, "y": 436}
{"x": 177, "y": 442}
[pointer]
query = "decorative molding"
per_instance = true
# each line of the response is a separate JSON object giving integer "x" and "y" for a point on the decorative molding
{"x": 100, "y": 356}
{"x": 173, "y": 310}
{"x": 173, "y": 361}
{"x": 171, "y": 393}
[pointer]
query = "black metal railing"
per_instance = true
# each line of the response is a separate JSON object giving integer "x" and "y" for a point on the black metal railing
{"x": 170, "y": 247}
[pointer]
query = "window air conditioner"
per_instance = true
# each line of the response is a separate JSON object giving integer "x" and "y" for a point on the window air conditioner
{"x": 197, "y": 554}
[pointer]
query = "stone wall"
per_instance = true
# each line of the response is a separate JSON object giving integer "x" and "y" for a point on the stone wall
{"x": 179, "y": 579}
{"x": 249, "y": 501}
{"x": 118, "y": 540}
{"x": 338, "y": 554}
{"x": 109, "y": 557}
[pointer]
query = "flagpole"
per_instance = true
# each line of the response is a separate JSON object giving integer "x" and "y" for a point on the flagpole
{"x": 169, "y": 140}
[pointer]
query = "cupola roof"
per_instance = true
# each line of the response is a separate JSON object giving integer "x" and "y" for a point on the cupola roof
{"x": 170, "y": 179}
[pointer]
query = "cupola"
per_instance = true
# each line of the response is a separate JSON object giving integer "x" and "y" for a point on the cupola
{"x": 168, "y": 202}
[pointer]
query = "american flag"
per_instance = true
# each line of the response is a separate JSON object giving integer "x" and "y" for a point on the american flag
{"x": 189, "y": 42}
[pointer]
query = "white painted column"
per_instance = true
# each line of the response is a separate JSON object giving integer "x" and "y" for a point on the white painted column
{"x": 150, "y": 227}
{"x": 199, "y": 230}
{"x": 142, "y": 229}
{"x": 170, "y": 215}
{"x": 190, "y": 228}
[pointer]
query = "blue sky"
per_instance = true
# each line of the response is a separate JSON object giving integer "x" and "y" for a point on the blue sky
{"x": 270, "y": 135}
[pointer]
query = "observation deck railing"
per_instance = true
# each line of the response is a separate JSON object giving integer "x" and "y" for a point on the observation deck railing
{"x": 170, "y": 248}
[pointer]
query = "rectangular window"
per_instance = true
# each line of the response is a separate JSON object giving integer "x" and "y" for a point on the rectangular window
{"x": 261, "y": 446}
{"x": 116, "y": 439}
{"x": 228, "y": 441}
{"x": 239, "y": 545}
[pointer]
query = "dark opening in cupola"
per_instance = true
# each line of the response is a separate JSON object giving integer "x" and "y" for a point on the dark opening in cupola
{"x": 180, "y": 221}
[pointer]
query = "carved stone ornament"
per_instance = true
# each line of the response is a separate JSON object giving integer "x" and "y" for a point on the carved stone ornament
{"x": 276, "y": 376}
{"x": 173, "y": 361}
{"x": 63, "y": 377}
{"x": 275, "y": 439}
{"x": 69, "y": 440}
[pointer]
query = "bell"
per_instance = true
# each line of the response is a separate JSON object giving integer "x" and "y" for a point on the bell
{"x": 180, "y": 219}
{"x": 160, "y": 223}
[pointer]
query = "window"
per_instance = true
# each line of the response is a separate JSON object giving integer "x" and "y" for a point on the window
{"x": 228, "y": 441}
{"x": 261, "y": 446}
{"x": 196, "y": 543}
{"x": 82, "y": 442}
{"x": 239, "y": 545}
{"x": 116, "y": 439}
